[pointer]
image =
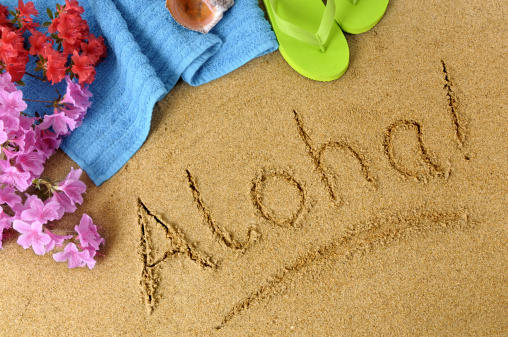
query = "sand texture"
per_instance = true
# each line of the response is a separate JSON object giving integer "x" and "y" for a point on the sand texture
{"x": 267, "y": 204}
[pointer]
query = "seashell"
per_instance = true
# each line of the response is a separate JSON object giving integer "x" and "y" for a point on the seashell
{"x": 198, "y": 15}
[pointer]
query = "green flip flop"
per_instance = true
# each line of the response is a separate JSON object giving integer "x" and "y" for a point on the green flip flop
{"x": 309, "y": 38}
{"x": 358, "y": 16}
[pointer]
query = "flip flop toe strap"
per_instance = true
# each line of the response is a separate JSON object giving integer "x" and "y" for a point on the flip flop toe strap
{"x": 318, "y": 38}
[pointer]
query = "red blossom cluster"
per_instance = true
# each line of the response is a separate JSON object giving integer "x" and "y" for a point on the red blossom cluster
{"x": 68, "y": 49}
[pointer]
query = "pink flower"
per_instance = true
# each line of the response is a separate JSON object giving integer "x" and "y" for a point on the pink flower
{"x": 36, "y": 210}
{"x": 5, "y": 220}
{"x": 29, "y": 139}
{"x": 72, "y": 186}
{"x": 46, "y": 141}
{"x": 56, "y": 240}
{"x": 5, "y": 223}
{"x": 3, "y": 134}
{"x": 6, "y": 83}
{"x": 64, "y": 201}
{"x": 8, "y": 196}
{"x": 26, "y": 122}
{"x": 91, "y": 251}
{"x": 13, "y": 177}
{"x": 12, "y": 102}
{"x": 32, "y": 235}
{"x": 60, "y": 123}
{"x": 75, "y": 113}
{"x": 76, "y": 95}
{"x": 11, "y": 123}
{"x": 17, "y": 209}
{"x": 74, "y": 257}
{"x": 18, "y": 138}
{"x": 31, "y": 161}
{"x": 9, "y": 154}
{"x": 87, "y": 233}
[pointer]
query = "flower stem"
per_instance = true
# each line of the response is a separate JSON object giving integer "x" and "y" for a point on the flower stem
{"x": 35, "y": 76}
{"x": 36, "y": 100}
{"x": 49, "y": 186}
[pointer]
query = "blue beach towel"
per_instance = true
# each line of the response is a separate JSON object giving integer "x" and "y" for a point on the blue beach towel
{"x": 147, "y": 53}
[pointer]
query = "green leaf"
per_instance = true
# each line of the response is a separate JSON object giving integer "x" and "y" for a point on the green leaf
{"x": 54, "y": 36}
{"x": 13, "y": 13}
{"x": 58, "y": 6}
{"x": 38, "y": 68}
{"x": 46, "y": 24}
{"x": 50, "y": 13}
{"x": 21, "y": 83}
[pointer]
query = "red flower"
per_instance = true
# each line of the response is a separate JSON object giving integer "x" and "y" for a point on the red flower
{"x": 4, "y": 13}
{"x": 17, "y": 69}
{"x": 11, "y": 44}
{"x": 83, "y": 68}
{"x": 37, "y": 41}
{"x": 6, "y": 51}
{"x": 95, "y": 49}
{"x": 25, "y": 12}
{"x": 12, "y": 53}
{"x": 4, "y": 10}
{"x": 52, "y": 28}
{"x": 54, "y": 65}
{"x": 55, "y": 71}
{"x": 72, "y": 33}
{"x": 71, "y": 29}
{"x": 73, "y": 7}
{"x": 68, "y": 28}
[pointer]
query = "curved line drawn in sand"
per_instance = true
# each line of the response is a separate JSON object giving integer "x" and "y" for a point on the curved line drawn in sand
{"x": 357, "y": 241}
{"x": 408, "y": 125}
{"x": 453, "y": 108}
{"x": 258, "y": 185}
{"x": 176, "y": 244}
{"x": 317, "y": 159}
{"x": 222, "y": 235}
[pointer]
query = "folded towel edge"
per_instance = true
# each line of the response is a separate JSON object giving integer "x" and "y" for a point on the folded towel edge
{"x": 260, "y": 50}
{"x": 123, "y": 158}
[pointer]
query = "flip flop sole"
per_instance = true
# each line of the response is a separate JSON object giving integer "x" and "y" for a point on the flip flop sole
{"x": 359, "y": 18}
{"x": 306, "y": 59}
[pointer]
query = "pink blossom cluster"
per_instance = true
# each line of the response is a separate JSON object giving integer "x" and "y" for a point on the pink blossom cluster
{"x": 25, "y": 144}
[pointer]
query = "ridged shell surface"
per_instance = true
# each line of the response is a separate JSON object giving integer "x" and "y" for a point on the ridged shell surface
{"x": 198, "y": 15}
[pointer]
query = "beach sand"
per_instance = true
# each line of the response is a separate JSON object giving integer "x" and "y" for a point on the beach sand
{"x": 268, "y": 204}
